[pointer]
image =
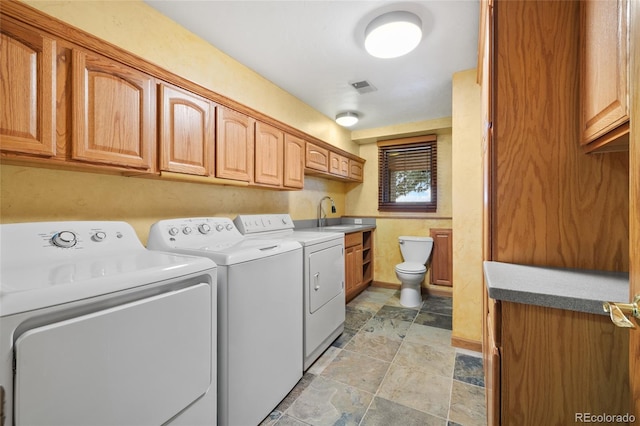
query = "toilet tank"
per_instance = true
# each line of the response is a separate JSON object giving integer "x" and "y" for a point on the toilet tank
{"x": 415, "y": 249}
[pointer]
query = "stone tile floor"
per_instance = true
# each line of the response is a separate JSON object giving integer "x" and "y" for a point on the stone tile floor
{"x": 391, "y": 366}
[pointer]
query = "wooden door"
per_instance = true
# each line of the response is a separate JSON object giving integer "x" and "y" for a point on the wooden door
{"x": 269, "y": 156}
{"x": 187, "y": 132}
{"x": 114, "y": 113}
{"x": 234, "y": 145}
{"x": 27, "y": 90}
{"x": 293, "y": 162}
{"x": 355, "y": 170}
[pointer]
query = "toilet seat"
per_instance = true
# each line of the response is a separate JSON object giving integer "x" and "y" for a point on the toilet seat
{"x": 411, "y": 268}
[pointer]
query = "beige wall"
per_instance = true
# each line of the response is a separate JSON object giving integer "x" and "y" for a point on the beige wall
{"x": 467, "y": 208}
{"x": 33, "y": 194}
{"x": 362, "y": 200}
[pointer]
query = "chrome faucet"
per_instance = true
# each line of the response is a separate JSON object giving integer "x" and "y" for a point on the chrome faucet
{"x": 321, "y": 220}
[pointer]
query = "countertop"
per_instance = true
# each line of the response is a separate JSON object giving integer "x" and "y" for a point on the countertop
{"x": 343, "y": 228}
{"x": 571, "y": 289}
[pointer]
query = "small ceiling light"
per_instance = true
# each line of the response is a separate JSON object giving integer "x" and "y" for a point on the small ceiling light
{"x": 393, "y": 34}
{"x": 347, "y": 119}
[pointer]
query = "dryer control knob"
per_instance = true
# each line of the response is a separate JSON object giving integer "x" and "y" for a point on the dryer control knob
{"x": 229, "y": 227}
{"x": 219, "y": 227}
{"x": 204, "y": 228}
{"x": 99, "y": 236}
{"x": 173, "y": 231}
{"x": 186, "y": 230}
{"x": 64, "y": 239}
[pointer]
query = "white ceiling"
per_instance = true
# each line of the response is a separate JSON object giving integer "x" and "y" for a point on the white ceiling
{"x": 314, "y": 50}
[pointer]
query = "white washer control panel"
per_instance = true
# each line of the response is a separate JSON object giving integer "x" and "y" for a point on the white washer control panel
{"x": 251, "y": 224}
{"x": 192, "y": 232}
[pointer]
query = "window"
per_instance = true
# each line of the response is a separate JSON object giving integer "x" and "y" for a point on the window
{"x": 407, "y": 170}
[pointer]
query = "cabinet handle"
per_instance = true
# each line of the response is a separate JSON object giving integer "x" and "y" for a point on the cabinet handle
{"x": 618, "y": 312}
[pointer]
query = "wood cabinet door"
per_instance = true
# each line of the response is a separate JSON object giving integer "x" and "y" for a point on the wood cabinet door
{"x": 234, "y": 145}
{"x": 356, "y": 171}
{"x": 442, "y": 257}
{"x": 604, "y": 66}
{"x": 317, "y": 158}
{"x": 269, "y": 158}
{"x": 114, "y": 113}
{"x": 293, "y": 162}
{"x": 27, "y": 91}
{"x": 338, "y": 164}
{"x": 350, "y": 268}
{"x": 187, "y": 132}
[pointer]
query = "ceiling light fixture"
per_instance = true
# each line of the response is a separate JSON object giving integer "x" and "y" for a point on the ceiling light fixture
{"x": 347, "y": 119}
{"x": 393, "y": 34}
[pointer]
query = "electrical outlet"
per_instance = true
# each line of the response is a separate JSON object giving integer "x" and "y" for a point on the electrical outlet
{"x": 358, "y": 221}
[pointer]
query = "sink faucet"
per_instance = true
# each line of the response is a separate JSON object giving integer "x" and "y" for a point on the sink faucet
{"x": 321, "y": 220}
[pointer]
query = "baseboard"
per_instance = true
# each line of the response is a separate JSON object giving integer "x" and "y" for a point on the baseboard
{"x": 471, "y": 345}
{"x": 385, "y": 285}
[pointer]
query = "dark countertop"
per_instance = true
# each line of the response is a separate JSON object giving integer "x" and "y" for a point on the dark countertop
{"x": 570, "y": 289}
{"x": 345, "y": 228}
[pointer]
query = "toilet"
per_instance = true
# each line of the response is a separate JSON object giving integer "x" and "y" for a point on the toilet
{"x": 415, "y": 252}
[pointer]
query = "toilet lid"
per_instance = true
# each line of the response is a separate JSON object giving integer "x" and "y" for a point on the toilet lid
{"x": 411, "y": 267}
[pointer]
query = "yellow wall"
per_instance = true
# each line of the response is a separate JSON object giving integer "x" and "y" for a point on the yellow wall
{"x": 467, "y": 208}
{"x": 33, "y": 194}
{"x": 362, "y": 200}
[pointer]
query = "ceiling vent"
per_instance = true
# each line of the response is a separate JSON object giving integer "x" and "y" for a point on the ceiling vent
{"x": 363, "y": 87}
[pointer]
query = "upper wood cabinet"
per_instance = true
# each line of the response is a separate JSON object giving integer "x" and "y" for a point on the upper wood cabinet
{"x": 356, "y": 170}
{"x": 27, "y": 90}
{"x": 113, "y": 113}
{"x": 294, "y": 149}
{"x": 187, "y": 132}
{"x": 605, "y": 75}
{"x": 317, "y": 158}
{"x": 338, "y": 164}
{"x": 269, "y": 158}
{"x": 234, "y": 145}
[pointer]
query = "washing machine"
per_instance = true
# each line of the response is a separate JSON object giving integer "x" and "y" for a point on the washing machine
{"x": 323, "y": 277}
{"x": 97, "y": 330}
{"x": 259, "y": 312}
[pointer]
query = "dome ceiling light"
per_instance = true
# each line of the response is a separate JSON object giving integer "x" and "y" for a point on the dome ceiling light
{"x": 347, "y": 119}
{"x": 393, "y": 34}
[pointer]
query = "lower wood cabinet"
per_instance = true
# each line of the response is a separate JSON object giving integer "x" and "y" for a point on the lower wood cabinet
{"x": 442, "y": 257}
{"x": 358, "y": 257}
{"x": 545, "y": 366}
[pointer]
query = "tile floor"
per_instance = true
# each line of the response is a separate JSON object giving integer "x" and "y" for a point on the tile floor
{"x": 391, "y": 366}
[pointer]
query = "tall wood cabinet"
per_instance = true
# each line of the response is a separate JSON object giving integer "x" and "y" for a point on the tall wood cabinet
{"x": 542, "y": 193}
{"x": 28, "y": 90}
{"x": 186, "y": 132}
{"x": 113, "y": 113}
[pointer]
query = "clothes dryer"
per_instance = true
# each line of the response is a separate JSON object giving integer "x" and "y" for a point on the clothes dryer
{"x": 323, "y": 277}
{"x": 97, "y": 330}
